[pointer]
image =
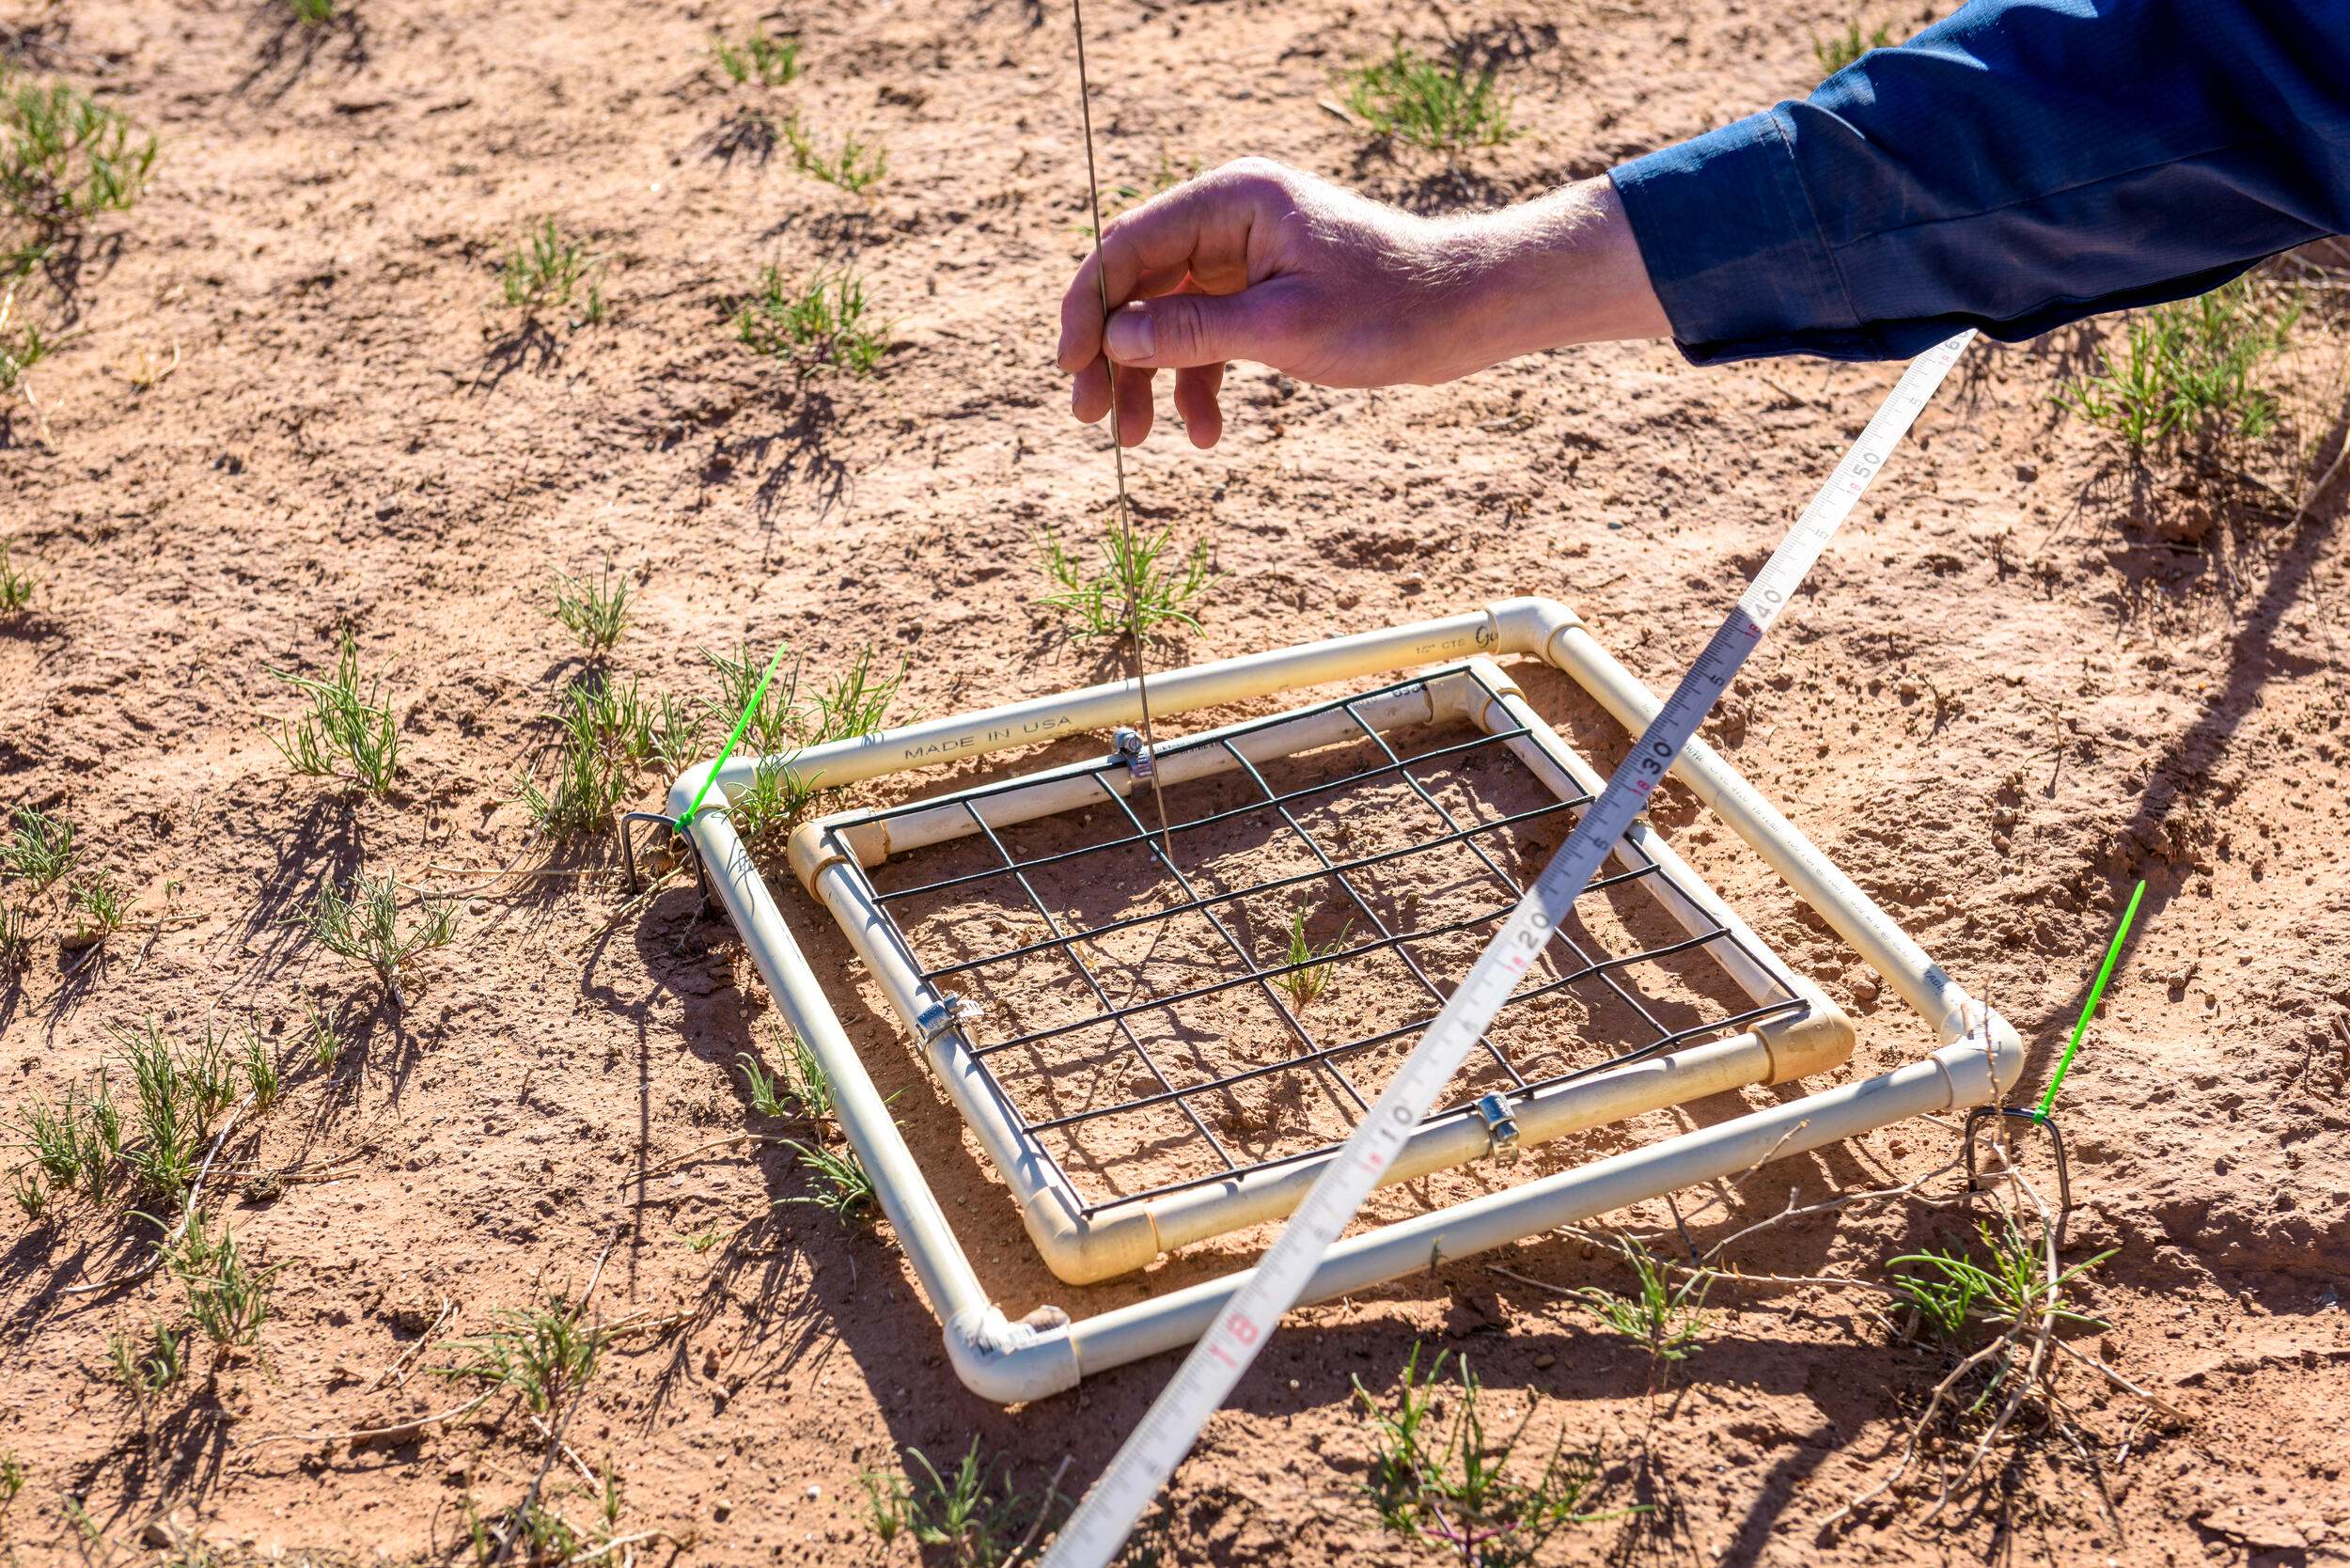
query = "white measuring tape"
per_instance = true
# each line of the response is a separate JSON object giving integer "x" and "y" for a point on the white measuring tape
{"x": 1102, "y": 1523}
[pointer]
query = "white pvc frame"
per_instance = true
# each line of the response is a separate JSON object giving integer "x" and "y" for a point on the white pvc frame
{"x": 1979, "y": 1059}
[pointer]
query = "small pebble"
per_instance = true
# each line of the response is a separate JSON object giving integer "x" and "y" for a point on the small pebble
{"x": 477, "y": 906}
{"x": 814, "y": 1492}
{"x": 1544, "y": 1361}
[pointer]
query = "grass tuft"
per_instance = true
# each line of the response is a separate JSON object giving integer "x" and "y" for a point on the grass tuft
{"x": 543, "y": 1352}
{"x": 65, "y": 158}
{"x": 1665, "y": 1320}
{"x": 605, "y": 732}
{"x": 970, "y": 1517}
{"x": 363, "y": 924}
{"x": 228, "y": 1298}
{"x": 798, "y": 1088}
{"x": 821, "y": 325}
{"x": 1440, "y": 1478}
{"x": 2190, "y": 372}
{"x": 146, "y": 1371}
{"x": 1963, "y": 1301}
{"x": 1838, "y": 50}
{"x": 344, "y": 727}
{"x": 546, "y": 269}
{"x": 100, "y": 905}
{"x": 854, "y": 166}
{"x": 1306, "y": 984}
{"x": 312, "y": 13}
{"x": 1143, "y": 570}
{"x": 1441, "y": 107}
{"x": 769, "y": 60}
{"x": 16, "y": 587}
{"x": 592, "y": 612}
{"x": 38, "y": 847}
{"x": 843, "y": 1190}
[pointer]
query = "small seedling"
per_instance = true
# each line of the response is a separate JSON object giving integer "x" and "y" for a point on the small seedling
{"x": 1306, "y": 984}
{"x": 605, "y": 732}
{"x": 11, "y": 1478}
{"x": 1443, "y": 1480}
{"x": 1665, "y": 1320}
{"x": 16, "y": 942}
{"x": 1962, "y": 1300}
{"x": 976, "y": 1522}
{"x": 2188, "y": 372}
{"x": 262, "y": 1076}
{"x": 65, "y": 158}
{"x": 774, "y": 802}
{"x": 546, "y": 269}
{"x": 1838, "y": 50}
{"x": 1136, "y": 569}
{"x": 856, "y": 703}
{"x": 363, "y": 924}
{"x": 148, "y": 1372}
{"x": 16, "y": 587}
{"x": 343, "y": 726}
{"x": 774, "y": 725}
{"x": 706, "y": 1240}
{"x": 543, "y": 1352}
{"x": 1442, "y": 108}
{"x": 822, "y": 324}
{"x": 679, "y": 731}
{"x": 100, "y": 905}
{"x": 22, "y": 347}
{"x": 228, "y": 1300}
{"x": 843, "y": 1190}
{"x": 32, "y": 1195}
{"x": 797, "y": 1088}
{"x": 770, "y": 61}
{"x": 765, "y": 1100}
{"x": 312, "y": 13}
{"x": 167, "y": 1119}
{"x": 40, "y": 847}
{"x": 326, "y": 1038}
{"x": 854, "y": 168}
{"x": 592, "y": 612}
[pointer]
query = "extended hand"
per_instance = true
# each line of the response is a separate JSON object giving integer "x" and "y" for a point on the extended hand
{"x": 1260, "y": 262}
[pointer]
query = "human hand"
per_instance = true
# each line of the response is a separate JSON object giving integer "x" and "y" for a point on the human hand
{"x": 1260, "y": 262}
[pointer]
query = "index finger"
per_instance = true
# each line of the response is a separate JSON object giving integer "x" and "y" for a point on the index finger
{"x": 1156, "y": 244}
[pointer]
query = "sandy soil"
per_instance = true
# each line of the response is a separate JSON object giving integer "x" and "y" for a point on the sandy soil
{"x": 2028, "y": 675}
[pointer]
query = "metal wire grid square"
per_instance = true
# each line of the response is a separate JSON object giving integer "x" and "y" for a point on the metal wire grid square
{"x": 1130, "y": 1087}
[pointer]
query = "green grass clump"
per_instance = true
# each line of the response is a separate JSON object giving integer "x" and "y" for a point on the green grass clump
{"x": 22, "y": 346}
{"x": 1838, "y": 50}
{"x": 1139, "y": 569}
{"x": 769, "y": 60}
{"x": 1305, "y": 984}
{"x": 543, "y": 1352}
{"x": 362, "y": 923}
{"x": 100, "y": 905}
{"x": 593, "y": 612}
{"x": 605, "y": 732}
{"x": 16, "y": 941}
{"x": 1441, "y": 1479}
{"x": 145, "y": 1372}
{"x": 16, "y": 587}
{"x": 1965, "y": 1301}
{"x": 969, "y": 1518}
{"x": 227, "y": 1297}
{"x": 823, "y": 324}
{"x": 2191, "y": 371}
{"x": 344, "y": 727}
{"x": 1665, "y": 1320}
{"x": 853, "y": 167}
{"x": 843, "y": 1188}
{"x": 65, "y": 158}
{"x": 38, "y": 847}
{"x": 798, "y": 1088}
{"x": 1410, "y": 98}
{"x": 312, "y": 13}
{"x": 852, "y": 703}
{"x": 547, "y": 269}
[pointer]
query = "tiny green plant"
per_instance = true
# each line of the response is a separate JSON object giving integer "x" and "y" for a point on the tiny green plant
{"x": 1310, "y": 973}
{"x": 22, "y": 347}
{"x": 38, "y": 847}
{"x": 2189, "y": 370}
{"x": 11, "y": 1477}
{"x": 1963, "y": 1300}
{"x": 1440, "y": 1478}
{"x": 605, "y": 731}
{"x": 774, "y": 725}
{"x": 263, "y": 1077}
{"x": 762, "y": 57}
{"x": 323, "y": 1034}
{"x": 148, "y": 1371}
{"x": 821, "y": 324}
{"x": 1665, "y": 1320}
{"x": 855, "y": 166}
{"x": 1441, "y": 107}
{"x": 1141, "y": 584}
{"x": 100, "y": 904}
{"x": 312, "y": 13}
{"x": 345, "y": 724}
{"x": 65, "y": 158}
{"x": 362, "y": 923}
{"x": 855, "y": 702}
{"x": 16, "y": 587}
{"x": 593, "y": 612}
{"x": 227, "y": 1297}
{"x": 16, "y": 942}
{"x": 1838, "y": 50}
{"x": 547, "y": 269}
{"x": 798, "y": 1088}
{"x": 546, "y": 1354}
{"x": 679, "y": 731}
{"x": 970, "y": 1517}
{"x": 167, "y": 1119}
{"x": 842, "y": 1189}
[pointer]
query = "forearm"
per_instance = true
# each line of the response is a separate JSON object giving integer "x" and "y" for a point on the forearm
{"x": 2021, "y": 164}
{"x": 1561, "y": 269}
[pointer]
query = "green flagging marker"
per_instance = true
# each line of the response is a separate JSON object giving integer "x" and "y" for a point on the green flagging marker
{"x": 758, "y": 694}
{"x": 2096, "y": 993}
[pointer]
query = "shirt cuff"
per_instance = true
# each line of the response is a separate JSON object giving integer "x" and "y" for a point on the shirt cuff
{"x": 1733, "y": 249}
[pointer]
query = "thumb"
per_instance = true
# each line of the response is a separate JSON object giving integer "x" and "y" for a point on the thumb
{"x": 1178, "y": 331}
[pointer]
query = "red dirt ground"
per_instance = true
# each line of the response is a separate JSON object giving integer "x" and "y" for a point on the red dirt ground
{"x": 2027, "y": 675}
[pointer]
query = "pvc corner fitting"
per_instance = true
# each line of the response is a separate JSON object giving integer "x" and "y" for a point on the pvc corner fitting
{"x": 1009, "y": 1362}
{"x": 1529, "y": 625}
{"x": 1818, "y": 1040}
{"x": 811, "y": 849}
{"x": 1086, "y": 1249}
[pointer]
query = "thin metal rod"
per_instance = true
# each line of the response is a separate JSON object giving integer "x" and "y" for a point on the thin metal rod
{"x": 1131, "y": 589}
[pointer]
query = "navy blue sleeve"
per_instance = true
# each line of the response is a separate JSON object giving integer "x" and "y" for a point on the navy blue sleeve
{"x": 2020, "y": 166}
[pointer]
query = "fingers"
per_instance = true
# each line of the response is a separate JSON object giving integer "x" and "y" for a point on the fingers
{"x": 1187, "y": 329}
{"x": 1199, "y": 229}
{"x": 1196, "y": 404}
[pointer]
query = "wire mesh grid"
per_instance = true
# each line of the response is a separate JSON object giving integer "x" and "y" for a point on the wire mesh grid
{"x": 1152, "y": 1025}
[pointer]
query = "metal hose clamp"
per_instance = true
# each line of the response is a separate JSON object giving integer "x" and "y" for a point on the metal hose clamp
{"x": 1501, "y": 1128}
